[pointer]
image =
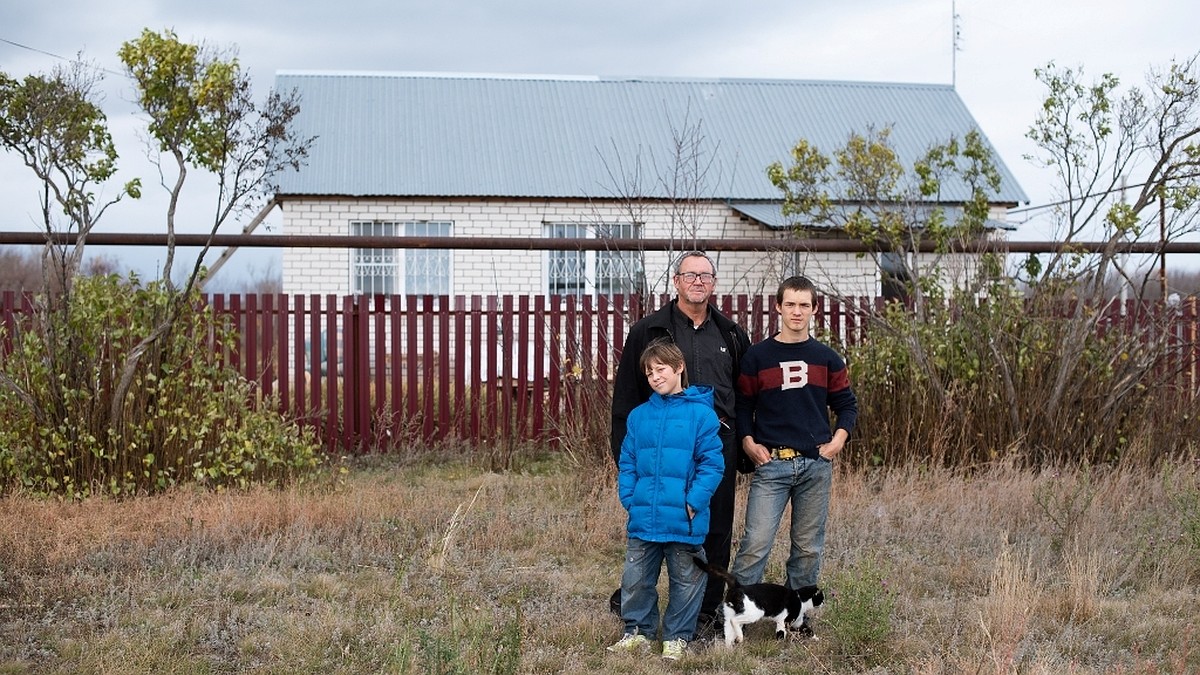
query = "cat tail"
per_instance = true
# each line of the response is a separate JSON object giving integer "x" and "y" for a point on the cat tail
{"x": 716, "y": 571}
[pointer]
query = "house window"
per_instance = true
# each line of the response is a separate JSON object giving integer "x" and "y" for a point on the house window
{"x": 893, "y": 277}
{"x": 384, "y": 271}
{"x": 593, "y": 272}
{"x": 373, "y": 270}
{"x": 427, "y": 271}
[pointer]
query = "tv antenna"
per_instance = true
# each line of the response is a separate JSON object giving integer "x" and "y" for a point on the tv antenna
{"x": 955, "y": 43}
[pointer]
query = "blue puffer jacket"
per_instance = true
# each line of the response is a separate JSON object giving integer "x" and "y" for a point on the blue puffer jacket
{"x": 671, "y": 459}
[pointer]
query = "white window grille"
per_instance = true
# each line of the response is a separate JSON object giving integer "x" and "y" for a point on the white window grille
{"x": 373, "y": 270}
{"x": 594, "y": 272}
{"x": 427, "y": 271}
{"x": 376, "y": 271}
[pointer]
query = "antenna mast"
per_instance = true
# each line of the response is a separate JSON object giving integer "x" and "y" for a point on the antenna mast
{"x": 955, "y": 38}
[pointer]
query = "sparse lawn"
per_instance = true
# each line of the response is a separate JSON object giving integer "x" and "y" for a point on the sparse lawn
{"x": 419, "y": 566}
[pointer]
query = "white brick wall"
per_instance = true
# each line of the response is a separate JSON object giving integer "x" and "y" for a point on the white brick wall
{"x": 524, "y": 272}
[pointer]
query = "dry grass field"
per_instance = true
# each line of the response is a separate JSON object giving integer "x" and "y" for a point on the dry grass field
{"x": 421, "y": 566}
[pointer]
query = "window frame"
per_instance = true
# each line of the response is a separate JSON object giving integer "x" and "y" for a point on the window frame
{"x": 588, "y": 282}
{"x": 398, "y": 279}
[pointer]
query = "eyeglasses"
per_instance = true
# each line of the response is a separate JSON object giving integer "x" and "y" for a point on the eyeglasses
{"x": 690, "y": 277}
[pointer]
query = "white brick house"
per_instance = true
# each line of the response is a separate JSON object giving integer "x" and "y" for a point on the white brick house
{"x": 503, "y": 156}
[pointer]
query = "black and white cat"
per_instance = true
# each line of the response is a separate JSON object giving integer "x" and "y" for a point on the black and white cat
{"x": 757, "y": 602}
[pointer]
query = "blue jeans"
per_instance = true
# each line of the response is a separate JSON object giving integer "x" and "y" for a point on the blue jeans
{"x": 639, "y": 593}
{"x": 804, "y": 482}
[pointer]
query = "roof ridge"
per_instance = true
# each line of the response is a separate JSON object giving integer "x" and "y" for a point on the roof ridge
{"x": 653, "y": 79}
{"x": 432, "y": 75}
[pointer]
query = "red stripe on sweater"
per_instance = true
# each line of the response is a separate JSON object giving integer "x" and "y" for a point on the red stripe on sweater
{"x": 772, "y": 378}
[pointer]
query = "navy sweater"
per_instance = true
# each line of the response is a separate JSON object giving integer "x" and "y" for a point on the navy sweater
{"x": 786, "y": 391}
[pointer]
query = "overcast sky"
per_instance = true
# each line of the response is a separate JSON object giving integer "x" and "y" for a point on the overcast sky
{"x": 1001, "y": 43}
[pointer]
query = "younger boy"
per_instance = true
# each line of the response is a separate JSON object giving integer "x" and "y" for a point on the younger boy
{"x": 671, "y": 464}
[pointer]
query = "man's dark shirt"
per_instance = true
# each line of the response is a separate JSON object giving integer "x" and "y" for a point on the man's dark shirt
{"x": 707, "y": 358}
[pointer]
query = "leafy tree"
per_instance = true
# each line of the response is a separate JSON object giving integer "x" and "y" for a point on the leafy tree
{"x": 1105, "y": 147}
{"x": 1128, "y": 167}
{"x": 201, "y": 114}
{"x": 202, "y": 120}
{"x": 55, "y": 124}
{"x": 982, "y": 364}
{"x": 863, "y": 189}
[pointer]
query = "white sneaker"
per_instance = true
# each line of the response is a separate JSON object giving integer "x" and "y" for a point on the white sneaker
{"x": 673, "y": 649}
{"x": 631, "y": 642}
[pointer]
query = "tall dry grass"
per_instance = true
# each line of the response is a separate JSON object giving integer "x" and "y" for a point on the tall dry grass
{"x": 429, "y": 565}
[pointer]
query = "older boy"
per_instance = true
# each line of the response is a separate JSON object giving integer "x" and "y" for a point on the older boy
{"x": 789, "y": 383}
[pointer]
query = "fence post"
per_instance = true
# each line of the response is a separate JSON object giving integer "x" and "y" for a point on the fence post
{"x": 334, "y": 366}
{"x": 298, "y": 368}
{"x": 427, "y": 368}
{"x": 460, "y": 365}
{"x": 1191, "y": 321}
{"x": 443, "y": 352}
{"x": 491, "y": 385}
{"x": 396, "y": 360}
{"x": 523, "y": 357}
{"x": 476, "y": 344}
{"x": 554, "y": 375}
{"x": 379, "y": 319}
{"x": 540, "y": 396}
{"x": 8, "y": 305}
{"x": 250, "y": 340}
{"x": 317, "y": 366}
{"x": 507, "y": 349}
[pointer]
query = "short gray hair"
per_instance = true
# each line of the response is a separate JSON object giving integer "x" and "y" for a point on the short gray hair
{"x": 695, "y": 254}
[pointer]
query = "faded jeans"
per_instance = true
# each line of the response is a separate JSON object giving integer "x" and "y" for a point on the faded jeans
{"x": 804, "y": 482}
{"x": 639, "y": 593}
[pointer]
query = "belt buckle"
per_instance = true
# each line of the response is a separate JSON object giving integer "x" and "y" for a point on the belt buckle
{"x": 786, "y": 453}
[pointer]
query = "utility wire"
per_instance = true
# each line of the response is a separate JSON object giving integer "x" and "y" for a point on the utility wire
{"x": 60, "y": 58}
{"x": 1102, "y": 193}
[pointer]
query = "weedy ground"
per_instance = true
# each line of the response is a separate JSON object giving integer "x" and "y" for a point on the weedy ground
{"x": 424, "y": 565}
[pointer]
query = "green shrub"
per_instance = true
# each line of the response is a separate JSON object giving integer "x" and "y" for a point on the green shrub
{"x": 187, "y": 416}
{"x": 859, "y": 616}
{"x": 966, "y": 382}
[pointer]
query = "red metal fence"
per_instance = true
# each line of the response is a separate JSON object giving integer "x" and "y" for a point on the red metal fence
{"x": 366, "y": 370}
{"x": 363, "y": 370}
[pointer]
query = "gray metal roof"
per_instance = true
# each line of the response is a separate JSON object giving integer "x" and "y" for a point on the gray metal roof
{"x": 412, "y": 135}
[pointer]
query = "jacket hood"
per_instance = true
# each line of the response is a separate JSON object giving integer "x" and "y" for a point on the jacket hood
{"x": 697, "y": 393}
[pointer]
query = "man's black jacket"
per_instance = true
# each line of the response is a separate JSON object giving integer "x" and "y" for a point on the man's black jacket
{"x": 630, "y": 388}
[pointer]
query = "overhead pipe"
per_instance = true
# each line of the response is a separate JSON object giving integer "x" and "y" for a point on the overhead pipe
{"x": 572, "y": 244}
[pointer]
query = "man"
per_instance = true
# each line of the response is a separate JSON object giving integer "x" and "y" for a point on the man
{"x": 712, "y": 346}
{"x": 788, "y": 385}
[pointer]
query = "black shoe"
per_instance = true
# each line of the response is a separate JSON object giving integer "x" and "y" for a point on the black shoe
{"x": 614, "y": 602}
